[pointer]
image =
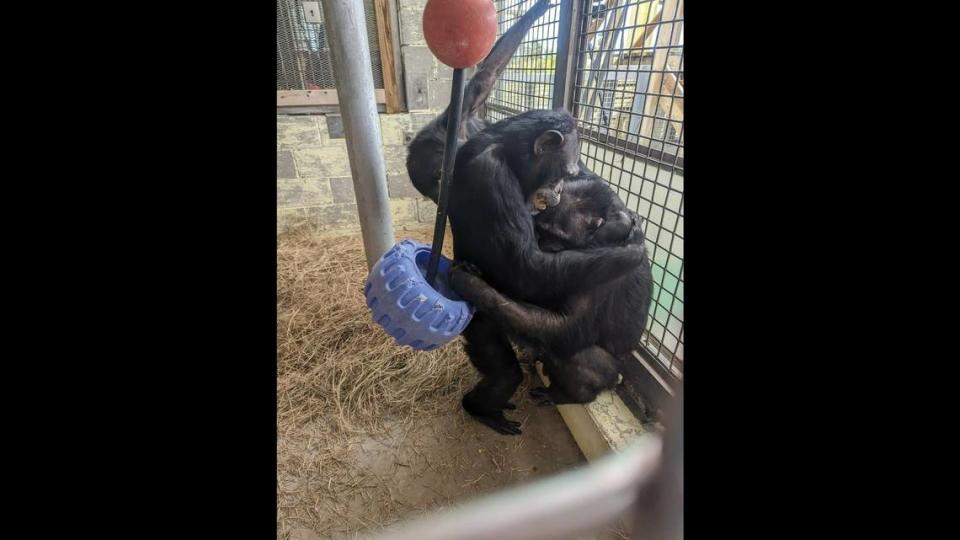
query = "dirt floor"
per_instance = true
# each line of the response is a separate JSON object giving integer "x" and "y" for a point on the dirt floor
{"x": 369, "y": 433}
{"x": 420, "y": 463}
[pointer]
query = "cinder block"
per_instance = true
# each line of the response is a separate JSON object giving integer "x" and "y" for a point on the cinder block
{"x": 443, "y": 71}
{"x": 418, "y": 70}
{"x": 285, "y": 165}
{"x": 290, "y": 217}
{"x": 297, "y": 131}
{"x": 419, "y": 120}
{"x": 411, "y": 22}
{"x": 404, "y": 211}
{"x": 307, "y": 192}
{"x": 335, "y": 216}
{"x": 399, "y": 186}
{"x": 322, "y": 161}
{"x": 393, "y": 126}
{"x": 335, "y": 126}
{"x": 395, "y": 158}
{"x": 438, "y": 93}
{"x": 342, "y": 189}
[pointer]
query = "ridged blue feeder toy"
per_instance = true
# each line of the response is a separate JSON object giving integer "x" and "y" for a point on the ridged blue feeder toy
{"x": 407, "y": 289}
{"x": 407, "y": 307}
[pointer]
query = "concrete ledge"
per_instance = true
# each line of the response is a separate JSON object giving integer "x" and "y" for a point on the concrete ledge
{"x": 602, "y": 426}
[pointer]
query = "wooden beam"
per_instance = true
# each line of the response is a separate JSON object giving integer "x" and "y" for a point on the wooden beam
{"x": 301, "y": 98}
{"x": 670, "y": 11}
{"x": 673, "y": 87}
{"x": 388, "y": 56}
{"x": 642, "y": 34}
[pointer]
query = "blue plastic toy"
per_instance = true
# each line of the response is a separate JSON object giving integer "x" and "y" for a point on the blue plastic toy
{"x": 407, "y": 307}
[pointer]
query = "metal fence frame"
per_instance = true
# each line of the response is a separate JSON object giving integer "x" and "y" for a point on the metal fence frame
{"x": 594, "y": 85}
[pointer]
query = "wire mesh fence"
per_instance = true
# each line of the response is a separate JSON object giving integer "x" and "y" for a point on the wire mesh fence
{"x": 303, "y": 54}
{"x": 628, "y": 100}
{"x": 627, "y": 96}
{"x": 527, "y": 81}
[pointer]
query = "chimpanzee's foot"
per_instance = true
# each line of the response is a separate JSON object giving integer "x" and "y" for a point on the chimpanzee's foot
{"x": 541, "y": 395}
{"x": 492, "y": 419}
{"x": 497, "y": 422}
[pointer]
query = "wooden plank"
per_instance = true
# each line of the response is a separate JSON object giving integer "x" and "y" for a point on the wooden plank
{"x": 642, "y": 35}
{"x": 671, "y": 10}
{"x": 388, "y": 55}
{"x": 673, "y": 87}
{"x": 301, "y": 98}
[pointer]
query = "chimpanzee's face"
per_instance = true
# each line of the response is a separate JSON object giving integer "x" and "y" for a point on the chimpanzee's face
{"x": 581, "y": 221}
{"x": 555, "y": 157}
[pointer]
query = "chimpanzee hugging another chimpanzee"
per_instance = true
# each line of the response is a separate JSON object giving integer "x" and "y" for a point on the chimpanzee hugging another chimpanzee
{"x": 575, "y": 288}
{"x": 579, "y": 337}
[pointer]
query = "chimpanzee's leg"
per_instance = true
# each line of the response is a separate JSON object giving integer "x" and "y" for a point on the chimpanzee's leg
{"x": 491, "y": 353}
{"x": 579, "y": 378}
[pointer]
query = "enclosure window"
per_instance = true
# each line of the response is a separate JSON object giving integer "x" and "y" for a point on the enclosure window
{"x": 303, "y": 54}
{"x": 627, "y": 96}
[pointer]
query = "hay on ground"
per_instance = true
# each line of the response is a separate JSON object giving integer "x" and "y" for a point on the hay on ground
{"x": 339, "y": 375}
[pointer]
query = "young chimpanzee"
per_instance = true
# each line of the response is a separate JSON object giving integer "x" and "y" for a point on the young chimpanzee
{"x": 579, "y": 342}
{"x": 588, "y": 214}
{"x": 496, "y": 173}
{"x": 425, "y": 153}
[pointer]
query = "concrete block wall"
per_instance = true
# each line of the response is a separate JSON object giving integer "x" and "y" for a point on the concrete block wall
{"x": 314, "y": 185}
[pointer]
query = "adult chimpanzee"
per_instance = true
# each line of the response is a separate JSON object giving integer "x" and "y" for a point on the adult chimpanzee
{"x": 579, "y": 342}
{"x": 496, "y": 173}
{"x": 425, "y": 153}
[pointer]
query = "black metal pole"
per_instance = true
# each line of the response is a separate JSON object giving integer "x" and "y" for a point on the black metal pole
{"x": 449, "y": 155}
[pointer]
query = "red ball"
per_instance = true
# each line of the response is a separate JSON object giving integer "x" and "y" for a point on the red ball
{"x": 460, "y": 33}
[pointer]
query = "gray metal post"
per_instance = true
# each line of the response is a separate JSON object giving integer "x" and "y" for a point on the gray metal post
{"x": 566, "y": 67}
{"x": 346, "y": 28}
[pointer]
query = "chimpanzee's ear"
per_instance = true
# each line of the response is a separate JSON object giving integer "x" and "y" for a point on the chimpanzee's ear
{"x": 548, "y": 140}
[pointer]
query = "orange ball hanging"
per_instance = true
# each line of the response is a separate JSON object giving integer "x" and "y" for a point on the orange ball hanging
{"x": 460, "y": 33}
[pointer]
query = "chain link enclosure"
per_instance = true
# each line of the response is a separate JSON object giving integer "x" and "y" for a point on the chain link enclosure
{"x": 303, "y": 55}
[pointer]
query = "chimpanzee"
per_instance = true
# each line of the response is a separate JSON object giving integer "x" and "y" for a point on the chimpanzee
{"x": 589, "y": 214}
{"x": 425, "y": 153}
{"x": 496, "y": 173}
{"x": 579, "y": 342}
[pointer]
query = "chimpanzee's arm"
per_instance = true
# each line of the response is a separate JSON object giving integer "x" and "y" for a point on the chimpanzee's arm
{"x": 480, "y": 85}
{"x": 542, "y": 274}
{"x": 532, "y": 322}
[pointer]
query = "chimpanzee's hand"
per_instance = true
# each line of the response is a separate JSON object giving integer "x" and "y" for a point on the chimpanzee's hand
{"x": 468, "y": 267}
{"x": 635, "y": 237}
{"x": 546, "y": 197}
{"x": 465, "y": 280}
